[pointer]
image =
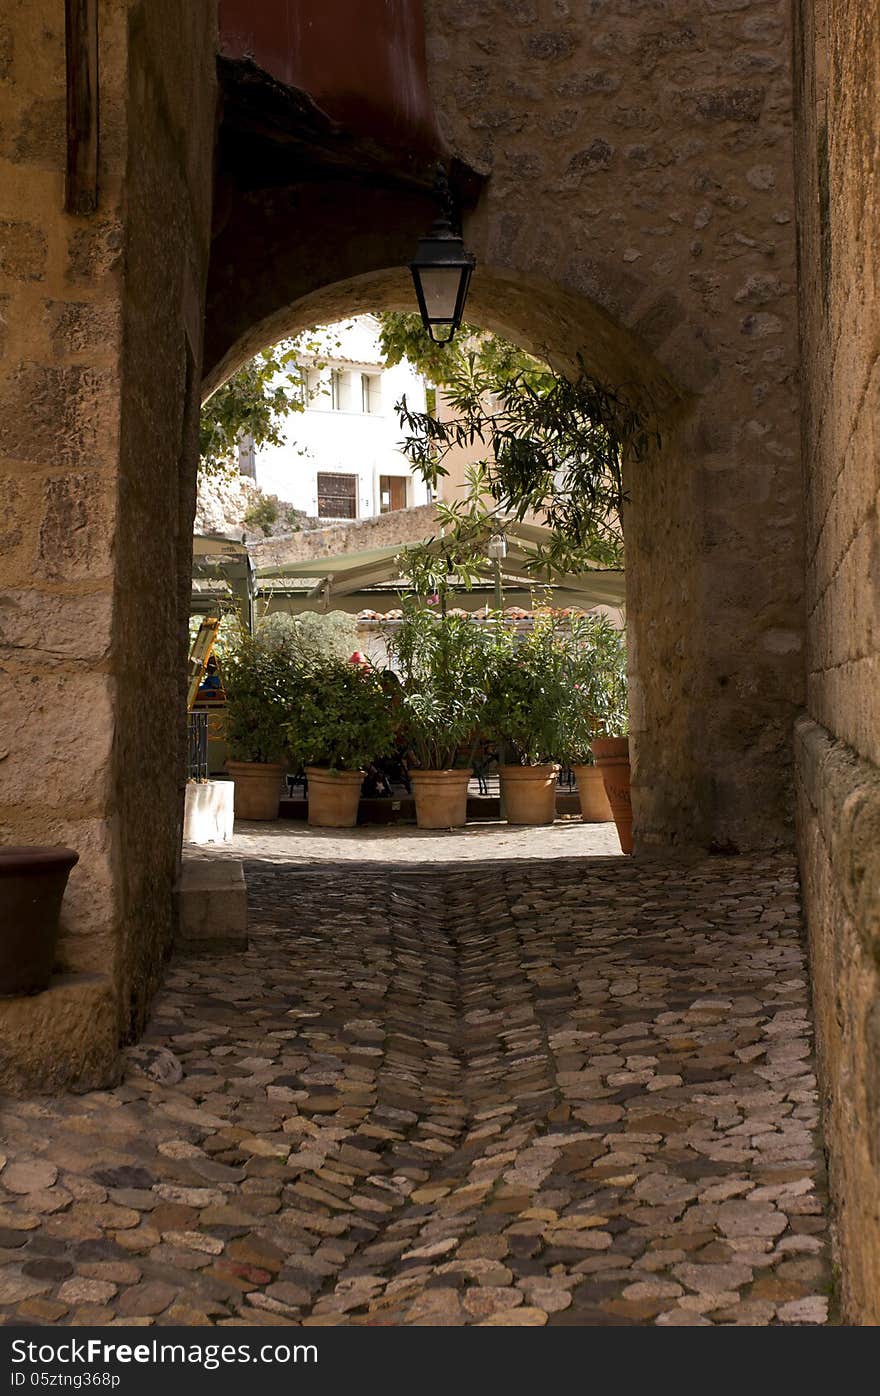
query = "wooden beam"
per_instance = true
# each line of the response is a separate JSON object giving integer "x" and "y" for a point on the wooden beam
{"x": 81, "y": 23}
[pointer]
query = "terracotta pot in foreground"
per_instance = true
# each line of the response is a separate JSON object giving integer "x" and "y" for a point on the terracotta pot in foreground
{"x": 441, "y": 798}
{"x": 595, "y": 808}
{"x": 529, "y": 793}
{"x": 32, "y": 884}
{"x": 257, "y": 788}
{"x": 612, "y": 758}
{"x": 333, "y": 797}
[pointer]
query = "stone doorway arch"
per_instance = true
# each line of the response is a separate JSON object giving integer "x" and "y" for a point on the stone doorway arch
{"x": 682, "y": 688}
{"x": 649, "y": 231}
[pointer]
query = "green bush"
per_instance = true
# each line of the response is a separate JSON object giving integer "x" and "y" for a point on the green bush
{"x": 529, "y": 693}
{"x": 266, "y": 510}
{"x": 446, "y": 665}
{"x": 312, "y": 635}
{"x": 596, "y": 703}
{"x": 261, "y": 681}
{"x": 341, "y": 717}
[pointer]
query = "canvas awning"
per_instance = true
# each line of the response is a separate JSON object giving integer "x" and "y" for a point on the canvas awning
{"x": 220, "y": 564}
{"x": 332, "y": 577}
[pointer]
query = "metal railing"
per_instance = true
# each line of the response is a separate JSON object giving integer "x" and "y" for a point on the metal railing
{"x": 197, "y": 746}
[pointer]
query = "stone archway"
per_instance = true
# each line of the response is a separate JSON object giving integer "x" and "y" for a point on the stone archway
{"x": 650, "y": 233}
{"x": 681, "y": 686}
{"x": 635, "y": 156}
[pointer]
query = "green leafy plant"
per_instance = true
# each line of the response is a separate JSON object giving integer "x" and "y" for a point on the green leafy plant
{"x": 529, "y": 693}
{"x": 445, "y": 665}
{"x": 267, "y": 510}
{"x": 596, "y": 702}
{"x": 261, "y": 680}
{"x": 255, "y": 401}
{"x": 341, "y": 718}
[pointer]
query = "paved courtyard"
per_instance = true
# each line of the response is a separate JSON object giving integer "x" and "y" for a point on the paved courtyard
{"x": 555, "y": 1090}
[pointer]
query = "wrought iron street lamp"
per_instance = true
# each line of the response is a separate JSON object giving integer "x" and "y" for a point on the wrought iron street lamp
{"x": 441, "y": 273}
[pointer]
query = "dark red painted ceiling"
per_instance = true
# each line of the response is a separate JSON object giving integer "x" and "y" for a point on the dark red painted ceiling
{"x": 361, "y": 61}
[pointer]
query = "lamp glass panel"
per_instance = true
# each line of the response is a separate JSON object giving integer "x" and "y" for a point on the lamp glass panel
{"x": 440, "y": 290}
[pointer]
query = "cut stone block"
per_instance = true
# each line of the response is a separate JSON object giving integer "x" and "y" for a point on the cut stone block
{"x": 66, "y": 1036}
{"x": 212, "y": 904}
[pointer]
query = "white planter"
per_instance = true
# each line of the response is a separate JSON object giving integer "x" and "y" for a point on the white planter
{"x": 208, "y": 811}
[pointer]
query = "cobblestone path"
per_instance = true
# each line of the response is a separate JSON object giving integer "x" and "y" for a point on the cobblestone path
{"x": 506, "y": 1093}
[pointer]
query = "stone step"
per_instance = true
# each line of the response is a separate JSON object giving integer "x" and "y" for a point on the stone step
{"x": 211, "y": 904}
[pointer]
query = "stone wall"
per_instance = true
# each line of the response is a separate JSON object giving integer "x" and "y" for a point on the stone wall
{"x": 60, "y": 291}
{"x": 400, "y": 526}
{"x": 171, "y": 127}
{"x": 637, "y": 211}
{"x": 94, "y": 504}
{"x": 640, "y": 159}
{"x": 838, "y": 747}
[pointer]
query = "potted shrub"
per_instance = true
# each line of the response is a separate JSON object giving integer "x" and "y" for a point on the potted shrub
{"x": 525, "y": 713}
{"x": 32, "y": 885}
{"x": 610, "y": 745}
{"x": 260, "y": 675}
{"x": 592, "y": 646}
{"x": 444, "y": 664}
{"x": 339, "y": 722}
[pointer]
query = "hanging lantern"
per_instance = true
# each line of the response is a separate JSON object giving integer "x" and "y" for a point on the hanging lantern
{"x": 441, "y": 273}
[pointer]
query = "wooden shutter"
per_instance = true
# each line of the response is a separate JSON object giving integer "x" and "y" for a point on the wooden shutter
{"x": 337, "y": 496}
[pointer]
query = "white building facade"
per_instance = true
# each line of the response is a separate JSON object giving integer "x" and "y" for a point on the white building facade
{"x": 341, "y": 458}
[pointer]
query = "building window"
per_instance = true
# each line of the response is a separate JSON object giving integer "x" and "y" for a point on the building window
{"x": 336, "y": 389}
{"x": 371, "y": 392}
{"x": 247, "y": 457}
{"x": 392, "y": 493}
{"x": 337, "y": 496}
{"x": 301, "y": 390}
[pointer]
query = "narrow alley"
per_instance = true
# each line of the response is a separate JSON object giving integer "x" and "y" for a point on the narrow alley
{"x": 576, "y": 1090}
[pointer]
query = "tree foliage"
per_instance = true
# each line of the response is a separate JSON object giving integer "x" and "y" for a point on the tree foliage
{"x": 553, "y": 450}
{"x": 311, "y": 636}
{"x": 554, "y": 447}
{"x": 402, "y": 336}
{"x": 257, "y": 400}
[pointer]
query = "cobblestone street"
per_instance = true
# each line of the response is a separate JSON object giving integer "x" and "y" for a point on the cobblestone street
{"x": 571, "y": 1091}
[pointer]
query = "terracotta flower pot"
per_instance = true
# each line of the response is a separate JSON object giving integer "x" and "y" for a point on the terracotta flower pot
{"x": 595, "y": 808}
{"x": 333, "y": 797}
{"x": 257, "y": 788}
{"x": 441, "y": 798}
{"x": 612, "y": 758}
{"x": 529, "y": 793}
{"x": 32, "y": 883}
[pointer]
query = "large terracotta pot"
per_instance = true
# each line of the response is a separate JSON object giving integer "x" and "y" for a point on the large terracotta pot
{"x": 529, "y": 793}
{"x": 333, "y": 797}
{"x": 32, "y": 883}
{"x": 595, "y": 808}
{"x": 612, "y": 758}
{"x": 257, "y": 788}
{"x": 441, "y": 798}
